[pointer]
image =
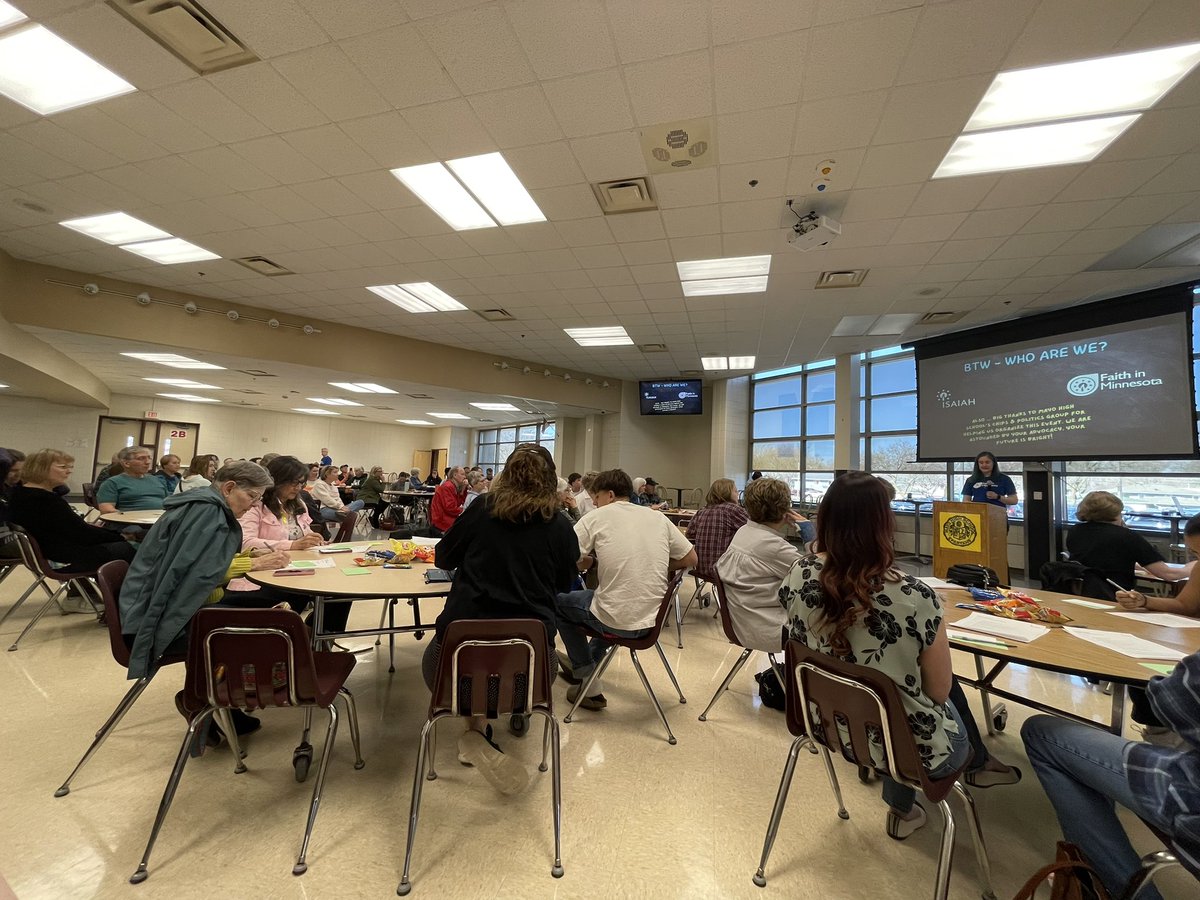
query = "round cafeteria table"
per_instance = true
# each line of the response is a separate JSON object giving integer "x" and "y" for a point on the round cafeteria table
{"x": 133, "y": 517}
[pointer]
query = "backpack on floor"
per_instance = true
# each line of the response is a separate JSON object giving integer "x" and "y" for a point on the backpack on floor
{"x": 770, "y": 690}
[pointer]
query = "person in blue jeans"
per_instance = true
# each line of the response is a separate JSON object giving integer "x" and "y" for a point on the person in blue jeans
{"x": 326, "y": 492}
{"x": 1086, "y": 772}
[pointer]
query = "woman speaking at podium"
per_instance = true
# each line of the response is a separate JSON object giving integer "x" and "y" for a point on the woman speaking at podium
{"x": 987, "y": 484}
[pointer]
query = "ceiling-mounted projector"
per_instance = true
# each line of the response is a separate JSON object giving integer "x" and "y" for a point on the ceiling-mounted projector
{"x": 812, "y": 231}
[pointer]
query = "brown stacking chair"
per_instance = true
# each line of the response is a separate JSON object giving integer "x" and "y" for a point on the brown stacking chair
{"x": 494, "y": 668}
{"x": 731, "y": 634}
{"x": 110, "y": 578}
{"x": 833, "y": 700}
{"x": 345, "y": 531}
{"x": 634, "y": 645}
{"x": 31, "y": 556}
{"x": 89, "y": 494}
{"x": 254, "y": 659}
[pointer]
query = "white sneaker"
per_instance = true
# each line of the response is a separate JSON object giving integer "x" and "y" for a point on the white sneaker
{"x": 899, "y": 829}
{"x": 503, "y": 772}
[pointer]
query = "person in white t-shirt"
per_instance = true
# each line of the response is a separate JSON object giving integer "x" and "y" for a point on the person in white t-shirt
{"x": 635, "y": 549}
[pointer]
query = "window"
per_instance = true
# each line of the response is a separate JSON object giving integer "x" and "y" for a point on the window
{"x": 887, "y": 411}
{"x": 494, "y": 445}
{"x": 792, "y": 427}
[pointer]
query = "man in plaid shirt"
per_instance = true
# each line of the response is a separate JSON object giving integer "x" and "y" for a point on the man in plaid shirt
{"x": 1085, "y": 770}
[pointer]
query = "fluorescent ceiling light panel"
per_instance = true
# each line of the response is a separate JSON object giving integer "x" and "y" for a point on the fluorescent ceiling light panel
{"x": 441, "y": 192}
{"x": 1127, "y": 82}
{"x": 741, "y": 362}
{"x": 711, "y": 287}
{"x": 413, "y": 422}
{"x": 600, "y": 337}
{"x": 184, "y": 383}
{"x": 361, "y": 387}
{"x": 191, "y": 398}
{"x": 44, "y": 73}
{"x": 497, "y": 407}
{"x": 333, "y": 401}
{"x": 174, "y": 360}
{"x": 314, "y": 411}
{"x": 714, "y": 363}
{"x": 418, "y": 297}
{"x": 732, "y": 267}
{"x": 895, "y": 323}
{"x": 10, "y": 15}
{"x": 171, "y": 251}
{"x": 449, "y": 416}
{"x": 3, "y": 385}
{"x": 1032, "y": 146}
{"x": 115, "y": 228}
{"x": 490, "y": 179}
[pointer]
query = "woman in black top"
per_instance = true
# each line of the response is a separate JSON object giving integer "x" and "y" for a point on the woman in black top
{"x": 1103, "y": 542}
{"x": 60, "y": 533}
{"x": 514, "y": 554}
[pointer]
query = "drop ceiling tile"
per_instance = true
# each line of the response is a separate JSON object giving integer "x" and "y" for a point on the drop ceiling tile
{"x": 1164, "y": 24}
{"x": 610, "y": 276}
{"x": 963, "y": 251}
{"x": 1159, "y": 132}
{"x": 269, "y": 29}
{"x": 679, "y": 189}
{"x": 946, "y": 275}
{"x": 566, "y": 202}
{"x": 758, "y": 74}
{"x": 351, "y": 17}
{"x": 1002, "y": 268}
{"x": 517, "y": 117}
{"x": 417, "y": 221}
{"x": 145, "y": 115}
{"x": 1150, "y": 209}
{"x": 487, "y": 241}
{"x": 1116, "y": 179}
{"x": 545, "y": 165}
{"x": 561, "y": 38}
{"x": 1033, "y": 186}
{"x": 651, "y": 30}
{"x": 49, "y": 137}
{"x": 424, "y": 80}
{"x": 585, "y": 232}
{"x": 379, "y": 189}
{"x": 922, "y": 229}
{"x": 672, "y": 88}
{"x": 1181, "y": 175}
{"x": 592, "y": 103}
{"x": 644, "y": 253}
{"x": 868, "y": 234}
{"x": 608, "y": 156}
{"x": 805, "y": 173}
{"x": 239, "y": 208}
{"x": 166, "y": 179}
{"x": 455, "y": 39}
{"x": 599, "y": 256}
{"x": 637, "y": 226}
{"x": 1068, "y": 216}
{"x": 273, "y": 154}
{"x": 617, "y": 293}
{"x": 210, "y": 111}
{"x": 692, "y": 221}
{"x": 750, "y": 215}
{"x": 1063, "y": 265}
{"x": 838, "y": 123}
{"x": 387, "y": 140}
{"x": 1095, "y": 26}
{"x": 879, "y": 203}
{"x": 1099, "y": 240}
{"x": 952, "y": 195}
{"x": 770, "y": 176}
{"x": 757, "y": 134}
{"x": 980, "y": 287}
{"x": 901, "y": 163}
{"x": 92, "y": 124}
{"x": 325, "y": 76}
{"x": 450, "y": 129}
{"x": 734, "y": 20}
{"x": 1020, "y": 246}
{"x": 995, "y": 222}
{"x": 933, "y": 109}
{"x": 536, "y": 236}
{"x": 834, "y": 66}
{"x": 981, "y": 39}
{"x": 330, "y": 148}
{"x": 267, "y": 97}
{"x": 753, "y": 243}
{"x": 446, "y": 246}
{"x": 569, "y": 278}
{"x": 229, "y": 171}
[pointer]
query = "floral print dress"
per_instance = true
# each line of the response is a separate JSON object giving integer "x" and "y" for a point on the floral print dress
{"x": 903, "y": 622}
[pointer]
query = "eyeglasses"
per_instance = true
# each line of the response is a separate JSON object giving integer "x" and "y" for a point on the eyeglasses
{"x": 254, "y": 496}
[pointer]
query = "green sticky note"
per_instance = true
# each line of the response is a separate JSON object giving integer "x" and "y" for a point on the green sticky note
{"x": 303, "y": 564}
{"x": 1160, "y": 668}
{"x": 357, "y": 570}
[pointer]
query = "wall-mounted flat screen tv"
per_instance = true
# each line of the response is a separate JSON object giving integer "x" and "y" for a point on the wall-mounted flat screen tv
{"x": 671, "y": 398}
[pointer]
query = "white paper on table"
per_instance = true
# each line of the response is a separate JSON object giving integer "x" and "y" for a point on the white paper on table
{"x": 1126, "y": 644}
{"x": 426, "y": 541}
{"x": 939, "y": 585}
{"x": 312, "y": 564}
{"x": 1090, "y": 604}
{"x": 1167, "y": 620}
{"x": 1022, "y": 632}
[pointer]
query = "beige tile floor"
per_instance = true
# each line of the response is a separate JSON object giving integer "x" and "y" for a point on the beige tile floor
{"x": 640, "y": 818}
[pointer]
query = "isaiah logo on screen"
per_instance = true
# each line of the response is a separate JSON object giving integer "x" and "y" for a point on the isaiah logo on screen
{"x": 1083, "y": 385}
{"x": 949, "y": 401}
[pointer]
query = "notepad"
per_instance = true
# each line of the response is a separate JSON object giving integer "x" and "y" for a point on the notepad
{"x": 939, "y": 585}
{"x": 357, "y": 570}
{"x": 1090, "y": 604}
{"x": 425, "y": 541}
{"x": 341, "y": 548}
{"x": 1160, "y": 668}
{"x": 1167, "y": 620}
{"x": 1126, "y": 644}
{"x": 1022, "y": 632}
{"x": 312, "y": 564}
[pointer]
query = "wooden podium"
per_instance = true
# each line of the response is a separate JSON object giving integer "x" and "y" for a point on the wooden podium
{"x": 974, "y": 533}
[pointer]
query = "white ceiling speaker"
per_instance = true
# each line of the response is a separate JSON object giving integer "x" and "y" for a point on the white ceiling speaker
{"x": 273, "y": 323}
{"x": 676, "y": 146}
{"x": 232, "y": 315}
{"x": 308, "y": 329}
{"x": 91, "y": 288}
{"x": 143, "y": 298}
{"x": 526, "y": 370}
{"x": 190, "y": 308}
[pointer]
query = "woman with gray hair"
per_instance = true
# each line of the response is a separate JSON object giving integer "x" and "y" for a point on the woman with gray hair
{"x": 476, "y": 487}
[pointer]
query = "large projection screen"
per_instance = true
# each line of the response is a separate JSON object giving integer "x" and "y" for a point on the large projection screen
{"x": 1109, "y": 380}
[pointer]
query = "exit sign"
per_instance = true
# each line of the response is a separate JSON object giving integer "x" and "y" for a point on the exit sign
{"x": 151, "y": 414}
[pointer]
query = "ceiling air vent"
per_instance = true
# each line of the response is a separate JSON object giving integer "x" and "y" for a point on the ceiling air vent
{"x": 421, "y": 396}
{"x": 841, "y": 279}
{"x": 263, "y": 266}
{"x": 653, "y": 348}
{"x": 385, "y": 408}
{"x": 624, "y": 195}
{"x": 940, "y": 318}
{"x": 187, "y": 30}
{"x": 690, "y": 373}
{"x": 494, "y": 315}
{"x": 257, "y": 373}
{"x": 244, "y": 391}
{"x": 678, "y": 146}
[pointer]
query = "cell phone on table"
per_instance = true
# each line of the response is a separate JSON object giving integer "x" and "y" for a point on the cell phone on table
{"x": 295, "y": 572}
{"x": 336, "y": 550}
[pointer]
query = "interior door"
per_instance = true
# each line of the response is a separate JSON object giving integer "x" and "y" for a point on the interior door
{"x": 178, "y": 438}
{"x": 439, "y": 463}
{"x": 114, "y": 435}
{"x": 421, "y": 460}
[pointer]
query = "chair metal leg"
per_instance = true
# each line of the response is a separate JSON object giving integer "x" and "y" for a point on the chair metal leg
{"x": 123, "y": 707}
{"x": 941, "y": 888}
{"x": 737, "y": 667}
{"x": 164, "y": 806}
{"x": 432, "y": 775}
{"x": 225, "y": 717}
{"x": 984, "y": 697}
{"x": 597, "y": 673}
{"x": 981, "y": 857}
{"x": 38, "y": 582}
{"x": 556, "y": 793}
{"x": 670, "y": 672}
{"x": 785, "y": 784}
{"x": 545, "y": 745}
{"x": 1152, "y": 864}
{"x": 833, "y": 783}
{"x": 653, "y": 699}
{"x": 352, "y": 711}
{"x": 301, "y": 865}
{"x": 391, "y": 611}
{"x": 38, "y": 615}
{"x": 414, "y": 811}
{"x": 382, "y": 616}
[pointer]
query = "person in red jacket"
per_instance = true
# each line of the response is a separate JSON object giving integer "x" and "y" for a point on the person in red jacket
{"x": 448, "y": 499}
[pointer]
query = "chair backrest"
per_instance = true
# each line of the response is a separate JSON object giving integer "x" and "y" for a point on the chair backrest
{"x": 89, "y": 493}
{"x": 109, "y": 579}
{"x": 493, "y": 668}
{"x": 843, "y": 706}
{"x": 346, "y": 531}
{"x": 31, "y": 556}
{"x": 251, "y": 659}
{"x": 723, "y": 606}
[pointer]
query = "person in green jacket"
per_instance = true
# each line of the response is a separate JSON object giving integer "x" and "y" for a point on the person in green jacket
{"x": 369, "y": 494}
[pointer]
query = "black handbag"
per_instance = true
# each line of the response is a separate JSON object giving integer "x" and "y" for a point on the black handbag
{"x": 770, "y": 690}
{"x": 969, "y": 575}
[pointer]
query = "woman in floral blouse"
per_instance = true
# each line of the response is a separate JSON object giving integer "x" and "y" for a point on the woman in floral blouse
{"x": 849, "y": 601}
